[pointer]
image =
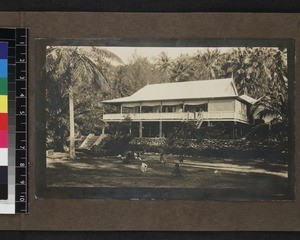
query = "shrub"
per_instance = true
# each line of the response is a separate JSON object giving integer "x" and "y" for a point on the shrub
{"x": 217, "y": 148}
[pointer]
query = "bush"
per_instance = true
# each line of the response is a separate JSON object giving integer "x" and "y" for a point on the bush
{"x": 111, "y": 146}
{"x": 216, "y": 148}
{"x": 148, "y": 144}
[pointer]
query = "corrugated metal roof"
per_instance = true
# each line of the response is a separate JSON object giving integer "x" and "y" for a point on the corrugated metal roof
{"x": 203, "y": 89}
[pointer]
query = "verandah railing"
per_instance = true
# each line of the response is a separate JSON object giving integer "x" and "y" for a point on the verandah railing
{"x": 206, "y": 116}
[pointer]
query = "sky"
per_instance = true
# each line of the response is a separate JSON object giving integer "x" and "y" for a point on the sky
{"x": 125, "y": 53}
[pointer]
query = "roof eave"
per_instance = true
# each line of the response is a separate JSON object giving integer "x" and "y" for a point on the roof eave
{"x": 251, "y": 103}
{"x": 175, "y": 99}
{"x": 234, "y": 87}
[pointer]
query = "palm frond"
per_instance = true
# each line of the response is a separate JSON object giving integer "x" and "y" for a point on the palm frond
{"x": 107, "y": 54}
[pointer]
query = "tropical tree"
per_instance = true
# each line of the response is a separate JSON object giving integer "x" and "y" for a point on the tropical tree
{"x": 254, "y": 69}
{"x": 262, "y": 74}
{"x": 208, "y": 62}
{"x": 56, "y": 115}
{"x": 163, "y": 61}
{"x": 235, "y": 64}
{"x": 274, "y": 101}
{"x": 182, "y": 69}
{"x": 75, "y": 68}
{"x": 178, "y": 70}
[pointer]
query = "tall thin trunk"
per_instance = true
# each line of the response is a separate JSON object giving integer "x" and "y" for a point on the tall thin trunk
{"x": 72, "y": 124}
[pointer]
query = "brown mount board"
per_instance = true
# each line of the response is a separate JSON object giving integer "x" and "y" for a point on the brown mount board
{"x": 75, "y": 214}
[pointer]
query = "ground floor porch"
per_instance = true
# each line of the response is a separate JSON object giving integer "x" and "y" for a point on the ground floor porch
{"x": 162, "y": 129}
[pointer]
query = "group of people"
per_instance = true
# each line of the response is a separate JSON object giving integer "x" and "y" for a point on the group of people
{"x": 131, "y": 156}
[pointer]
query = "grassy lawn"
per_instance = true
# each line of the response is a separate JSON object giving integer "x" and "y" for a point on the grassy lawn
{"x": 197, "y": 172}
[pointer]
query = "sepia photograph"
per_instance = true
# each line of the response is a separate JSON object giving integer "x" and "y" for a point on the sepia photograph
{"x": 166, "y": 119}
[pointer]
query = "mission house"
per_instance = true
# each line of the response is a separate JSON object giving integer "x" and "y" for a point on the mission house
{"x": 154, "y": 109}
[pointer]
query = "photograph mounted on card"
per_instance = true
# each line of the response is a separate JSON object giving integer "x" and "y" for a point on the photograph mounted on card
{"x": 206, "y": 119}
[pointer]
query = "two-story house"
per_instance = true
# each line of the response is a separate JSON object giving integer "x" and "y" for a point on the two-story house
{"x": 155, "y": 107}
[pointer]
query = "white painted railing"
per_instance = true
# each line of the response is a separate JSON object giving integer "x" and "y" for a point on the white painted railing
{"x": 176, "y": 116}
{"x": 150, "y": 116}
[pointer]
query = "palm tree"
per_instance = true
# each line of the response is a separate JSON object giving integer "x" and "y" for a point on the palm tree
{"x": 179, "y": 70}
{"x": 122, "y": 82}
{"x": 209, "y": 61}
{"x": 74, "y": 68}
{"x": 235, "y": 64}
{"x": 182, "y": 69}
{"x": 274, "y": 102}
{"x": 163, "y": 61}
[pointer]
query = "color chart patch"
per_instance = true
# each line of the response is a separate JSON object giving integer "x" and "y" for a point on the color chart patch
{"x": 3, "y": 120}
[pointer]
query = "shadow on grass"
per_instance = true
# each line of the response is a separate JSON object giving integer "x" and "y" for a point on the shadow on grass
{"x": 253, "y": 177}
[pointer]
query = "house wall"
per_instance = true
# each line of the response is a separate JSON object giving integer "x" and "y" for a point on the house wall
{"x": 221, "y": 105}
{"x": 240, "y": 107}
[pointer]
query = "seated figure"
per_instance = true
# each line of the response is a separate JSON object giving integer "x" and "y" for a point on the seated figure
{"x": 176, "y": 172}
{"x": 181, "y": 158}
{"x": 162, "y": 158}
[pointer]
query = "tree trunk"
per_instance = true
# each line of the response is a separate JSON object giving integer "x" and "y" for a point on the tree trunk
{"x": 72, "y": 124}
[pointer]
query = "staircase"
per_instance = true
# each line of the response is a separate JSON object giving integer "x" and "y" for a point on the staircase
{"x": 251, "y": 131}
{"x": 91, "y": 140}
{"x": 199, "y": 120}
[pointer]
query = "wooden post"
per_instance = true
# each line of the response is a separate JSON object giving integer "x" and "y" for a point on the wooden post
{"x": 121, "y": 108}
{"x": 140, "y": 107}
{"x": 233, "y": 130}
{"x": 141, "y": 129}
{"x": 103, "y": 129}
{"x": 160, "y": 129}
{"x": 72, "y": 124}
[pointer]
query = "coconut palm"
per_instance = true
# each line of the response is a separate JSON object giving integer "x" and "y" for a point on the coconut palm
{"x": 235, "y": 64}
{"x": 274, "y": 102}
{"x": 209, "y": 62}
{"x": 163, "y": 61}
{"x": 75, "y": 68}
{"x": 179, "y": 70}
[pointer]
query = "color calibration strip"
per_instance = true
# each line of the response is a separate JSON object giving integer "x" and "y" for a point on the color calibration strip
{"x": 15, "y": 103}
{"x": 3, "y": 121}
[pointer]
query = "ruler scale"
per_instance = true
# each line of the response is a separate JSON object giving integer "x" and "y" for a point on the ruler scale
{"x": 16, "y": 201}
{"x": 21, "y": 120}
